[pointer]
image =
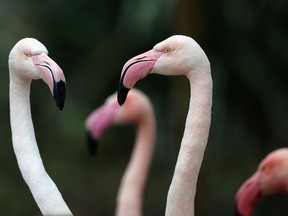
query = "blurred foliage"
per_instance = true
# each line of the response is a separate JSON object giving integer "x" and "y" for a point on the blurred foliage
{"x": 247, "y": 44}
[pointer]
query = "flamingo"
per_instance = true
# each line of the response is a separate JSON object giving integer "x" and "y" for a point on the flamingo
{"x": 137, "y": 109}
{"x": 29, "y": 60}
{"x": 179, "y": 55}
{"x": 270, "y": 178}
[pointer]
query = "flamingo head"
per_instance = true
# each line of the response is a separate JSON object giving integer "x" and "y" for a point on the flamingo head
{"x": 29, "y": 59}
{"x": 270, "y": 178}
{"x": 136, "y": 109}
{"x": 177, "y": 55}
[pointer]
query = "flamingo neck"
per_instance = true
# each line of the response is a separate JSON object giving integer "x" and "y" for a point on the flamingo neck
{"x": 129, "y": 200}
{"x": 181, "y": 195}
{"x": 44, "y": 191}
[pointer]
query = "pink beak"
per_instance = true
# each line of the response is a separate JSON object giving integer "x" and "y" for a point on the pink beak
{"x": 135, "y": 69}
{"x": 53, "y": 76}
{"x": 248, "y": 196}
{"x": 97, "y": 122}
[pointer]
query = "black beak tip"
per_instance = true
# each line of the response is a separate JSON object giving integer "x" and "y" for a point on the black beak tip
{"x": 92, "y": 144}
{"x": 59, "y": 93}
{"x": 236, "y": 212}
{"x": 122, "y": 94}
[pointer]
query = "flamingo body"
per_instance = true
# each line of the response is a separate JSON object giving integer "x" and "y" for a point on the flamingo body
{"x": 29, "y": 60}
{"x": 137, "y": 110}
{"x": 179, "y": 55}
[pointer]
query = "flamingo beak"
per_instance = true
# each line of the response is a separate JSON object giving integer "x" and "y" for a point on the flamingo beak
{"x": 248, "y": 196}
{"x": 53, "y": 76}
{"x": 92, "y": 144}
{"x": 96, "y": 124}
{"x": 134, "y": 70}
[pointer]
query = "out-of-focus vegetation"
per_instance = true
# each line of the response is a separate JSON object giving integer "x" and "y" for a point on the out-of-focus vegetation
{"x": 247, "y": 44}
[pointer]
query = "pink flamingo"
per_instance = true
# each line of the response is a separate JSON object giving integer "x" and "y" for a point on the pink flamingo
{"x": 137, "y": 109}
{"x": 179, "y": 55}
{"x": 270, "y": 178}
{"x": 29, "y": 60}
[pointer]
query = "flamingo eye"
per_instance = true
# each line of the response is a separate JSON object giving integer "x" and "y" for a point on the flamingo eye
{"x": 265, "y": 169}
{"x": 167, "y": 50}
{"x": 27, "y": 54}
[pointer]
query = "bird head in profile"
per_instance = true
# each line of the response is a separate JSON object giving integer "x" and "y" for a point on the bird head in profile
{"x": 270, "y": 178}
{"x": 177, "y": 55}
{"x": 137, "y": 110}
{"x": 29, "y": 59}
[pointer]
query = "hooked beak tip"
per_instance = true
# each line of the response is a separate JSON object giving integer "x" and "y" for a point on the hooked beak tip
{"x": 92, "y": 144}
{"x": 59, "y": 93}
{"x": 236, "y": 208}
{"x": 122, "y": 93}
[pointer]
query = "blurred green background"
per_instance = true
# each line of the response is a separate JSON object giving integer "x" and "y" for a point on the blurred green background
{"x": 247, "y": 44}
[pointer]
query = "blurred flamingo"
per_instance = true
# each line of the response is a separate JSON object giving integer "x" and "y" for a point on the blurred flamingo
{"x": 29, "y": 60}
{"x": 138, "y": 110}
{"x": 179, "y": 55}
{"x": 270, "y": 178}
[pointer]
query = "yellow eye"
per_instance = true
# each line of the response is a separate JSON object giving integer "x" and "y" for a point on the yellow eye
{"x": 167, "y": 50}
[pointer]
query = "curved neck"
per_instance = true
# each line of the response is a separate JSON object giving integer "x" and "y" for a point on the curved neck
{"x": 130, "y": 194}
{"x": 44, "y": 191}
{"x": 181, "y": 195}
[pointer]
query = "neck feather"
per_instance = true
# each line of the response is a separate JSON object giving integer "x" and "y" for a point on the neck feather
{"x": 129, "y": 200}
{"x": 44, "y": 191}
{"x": 181, "y": 195}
